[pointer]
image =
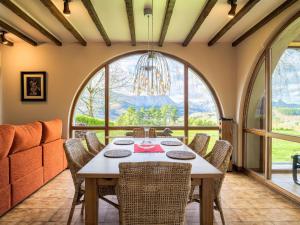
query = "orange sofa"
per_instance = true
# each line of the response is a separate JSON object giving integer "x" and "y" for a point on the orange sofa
{"x": 30, "y": 155}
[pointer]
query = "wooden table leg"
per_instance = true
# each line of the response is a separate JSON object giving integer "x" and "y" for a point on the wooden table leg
{"x": 91, "y": 201}
{"x": 206, "y": 203}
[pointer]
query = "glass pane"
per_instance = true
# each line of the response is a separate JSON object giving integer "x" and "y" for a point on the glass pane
{"x": 90, "y": 110}
{"x": 129, "y": 109}
{"x": 282, "y": 173}
{"x": 117, "y": 133}
{"x": 214, "y": 135}
{"x": 256, "y": 107}
{"x": 286, "y": 94}
{"x": 255, "y": 153}
{"x": 202, "y": 107}
{"x": 80, "y": 134}
{"x": 282, "y": 152}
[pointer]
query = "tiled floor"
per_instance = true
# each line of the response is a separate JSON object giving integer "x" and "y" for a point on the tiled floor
{"x": 245, "y": 202}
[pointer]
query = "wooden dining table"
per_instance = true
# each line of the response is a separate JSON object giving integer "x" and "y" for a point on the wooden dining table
{"x": 105, "y": 171}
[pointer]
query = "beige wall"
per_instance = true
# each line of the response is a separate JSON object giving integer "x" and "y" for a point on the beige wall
{"x": 68, "y": 66}
{"x": 247, "y": 55}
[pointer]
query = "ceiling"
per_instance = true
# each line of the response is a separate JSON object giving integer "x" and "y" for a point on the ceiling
{"x": 113, "y": 16}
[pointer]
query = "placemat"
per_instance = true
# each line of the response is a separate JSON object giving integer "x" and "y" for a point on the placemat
{"x": 171, "y": 143}
{"x": 147, "y": 148}
{"x": 123, "y": 142}
{"x": 181, "y": 155}
{"x": 117, "y": 153}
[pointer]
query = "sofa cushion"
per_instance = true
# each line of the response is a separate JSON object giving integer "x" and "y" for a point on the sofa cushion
{"x": 25, "y": 186}
{"x": 4, "y": 172}
{"x": 25, "y": 162}
{"x": 7, "y": 133}
{"x": 5, "y": 193}
{"x": 53, "y": 160}
{"x": 52, "y": 130}
{"x": 27, "y": 136}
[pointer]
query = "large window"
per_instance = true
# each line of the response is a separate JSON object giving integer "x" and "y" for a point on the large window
{"x": 272, "y": 109}
{"x": 107, "y": 102}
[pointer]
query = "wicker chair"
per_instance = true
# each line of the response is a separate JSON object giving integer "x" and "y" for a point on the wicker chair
{"x": 219, "y": 157}
{"x": 152, "y": 132}
{"x": 139, "y": 132}
{"x": 93, "y": 143}
{"x": 77, "y": 157}
{"x": 200, "y": 143}
{"x": 153, "y": 193}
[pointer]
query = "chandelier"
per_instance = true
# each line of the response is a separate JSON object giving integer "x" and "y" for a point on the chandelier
{"x": 151, "y": 76}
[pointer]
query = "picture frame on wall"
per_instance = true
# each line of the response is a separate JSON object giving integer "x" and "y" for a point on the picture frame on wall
{"x": 33, "y": 86}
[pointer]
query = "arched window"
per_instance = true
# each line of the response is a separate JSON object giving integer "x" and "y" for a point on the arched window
{"x": 272, "y": 109}
{"x": 107, "y": 103}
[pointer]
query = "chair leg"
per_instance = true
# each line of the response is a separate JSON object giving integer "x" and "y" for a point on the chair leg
{"x": 219, "y": 207}
{"x": 75, "y": 199}
{"x": 82, "y": 208}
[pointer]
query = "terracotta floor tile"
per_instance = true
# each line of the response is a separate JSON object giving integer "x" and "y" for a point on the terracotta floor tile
{"x": 245, "y": 202}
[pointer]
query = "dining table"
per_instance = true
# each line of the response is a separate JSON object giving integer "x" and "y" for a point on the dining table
{"x": 102, "y": 170}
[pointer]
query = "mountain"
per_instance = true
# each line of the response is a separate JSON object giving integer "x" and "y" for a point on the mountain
{"x": 281, "y": 103}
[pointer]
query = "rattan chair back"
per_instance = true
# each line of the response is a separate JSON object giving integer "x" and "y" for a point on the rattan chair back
{"x": 153, "y": 193}
{"x": 77, "y": 157}
{"x": 200, "y": 143}
{"x": 93, "y": 143}
{"x": 220, "y": 158}
{"x": 139, "y": 132}
{"x": 152, "y": 132}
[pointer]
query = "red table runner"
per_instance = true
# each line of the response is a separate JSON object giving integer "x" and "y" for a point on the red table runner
{"x": 147, "y": 148}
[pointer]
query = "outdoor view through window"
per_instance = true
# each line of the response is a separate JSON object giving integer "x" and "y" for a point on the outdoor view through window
{"x": 128, "y": 109}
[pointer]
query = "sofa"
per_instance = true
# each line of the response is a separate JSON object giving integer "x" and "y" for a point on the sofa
{"x": 30, "y": 156}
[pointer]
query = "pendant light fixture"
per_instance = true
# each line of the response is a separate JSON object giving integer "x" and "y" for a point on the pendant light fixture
{"x": 151, "y": 75}
{"x": 66, "y": 10}
{"x": 233, "y": 4}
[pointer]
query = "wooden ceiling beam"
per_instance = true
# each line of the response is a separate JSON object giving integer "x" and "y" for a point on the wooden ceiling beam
{"x": 241, "y": 13}
{"x": 19, "y": 34}
{"x": 61, "y": 18}
{"x": 93, "y": 14}
{"x": 18, "y": 11}
{"x": 204, "y": 13}
{"x": 130, "y": 16}
{"x": 264, "y": 21}
{"x": 168, "y": 14}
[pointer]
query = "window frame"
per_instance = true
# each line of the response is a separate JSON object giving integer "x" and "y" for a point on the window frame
{"x": 107, "y": 127}
{"x": 267, "y": 132}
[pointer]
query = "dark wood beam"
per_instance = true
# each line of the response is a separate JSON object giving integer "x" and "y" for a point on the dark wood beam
{"x": 241, "y": 13}
{"x": 19, "y": 34}
{"x": 168, "y": 14}
{"x": 18, "y": 11}
{"x": 204, "y": 13}
{"x": 130, "y": 16}
{"x": 93, "y": 14}
{"x": 61, "y": 18}
{"x": 264, "y": 21}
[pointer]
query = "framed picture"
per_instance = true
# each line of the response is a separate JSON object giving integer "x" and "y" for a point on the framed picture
{"x": 33, "y": 86}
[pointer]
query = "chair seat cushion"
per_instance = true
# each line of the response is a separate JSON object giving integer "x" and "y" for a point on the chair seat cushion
{"x": 27, "y": 136}
{"x": 7, "y": 133}
{"x": 52, "y": 130}
{"x": 25, "y": 162}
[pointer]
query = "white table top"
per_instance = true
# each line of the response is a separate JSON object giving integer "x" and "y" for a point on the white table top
{"x": 103, "y": 167}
